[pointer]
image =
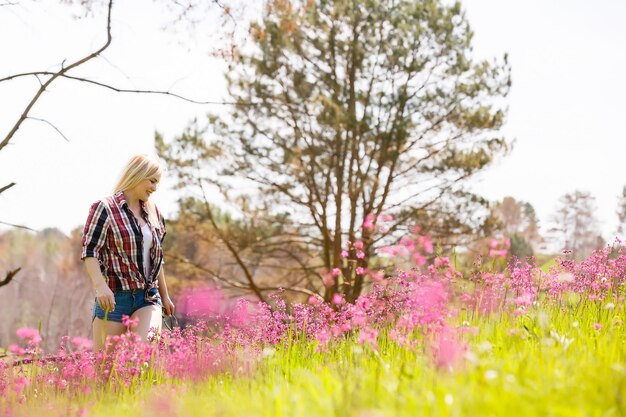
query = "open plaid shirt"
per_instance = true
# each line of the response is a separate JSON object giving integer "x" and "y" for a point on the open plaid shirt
{"x": 113, "y": 236}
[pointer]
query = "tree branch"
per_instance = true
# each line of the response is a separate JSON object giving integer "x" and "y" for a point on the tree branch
{"x": 6, "y": 187}
{"x": 56, "y": 75}
{"x": 9, "y": 276}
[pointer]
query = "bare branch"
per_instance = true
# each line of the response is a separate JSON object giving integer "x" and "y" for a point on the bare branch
{"x": 127, "y": 90}
{"x": 50, "y": 124}
{"x": 56, "y": 75}
{"x": 6, "y": 187}
{"x": 18, "y": 226}
{"x": 9, "y": 276}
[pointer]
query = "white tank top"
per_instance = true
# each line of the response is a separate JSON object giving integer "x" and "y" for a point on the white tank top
{"x": 147, "y": 245}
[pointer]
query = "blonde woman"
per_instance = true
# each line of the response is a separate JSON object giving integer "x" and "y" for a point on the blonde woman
{"x": 123, "y": 255}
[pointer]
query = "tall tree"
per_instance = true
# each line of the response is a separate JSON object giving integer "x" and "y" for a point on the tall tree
{"x": 575, "y": 225}
{"x": 520, "y": 224}
{"x": 348, "y": 110}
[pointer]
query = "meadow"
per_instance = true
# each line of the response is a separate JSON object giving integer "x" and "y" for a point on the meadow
{"x": 515, "y": 341}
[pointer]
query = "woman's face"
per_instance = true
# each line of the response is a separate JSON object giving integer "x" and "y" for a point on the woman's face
{"x": 146, "y": 187}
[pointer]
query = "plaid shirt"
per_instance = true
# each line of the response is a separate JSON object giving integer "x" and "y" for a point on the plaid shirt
{"x": 113, "y": 236}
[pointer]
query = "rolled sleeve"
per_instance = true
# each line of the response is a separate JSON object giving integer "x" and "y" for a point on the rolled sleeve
{"x": 95, "y": 232}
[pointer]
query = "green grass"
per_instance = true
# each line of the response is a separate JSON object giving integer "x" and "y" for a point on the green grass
{"x": 548, "y": 362}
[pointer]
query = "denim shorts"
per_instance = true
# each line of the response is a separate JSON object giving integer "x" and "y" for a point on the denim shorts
{"x": 126, "y": 303}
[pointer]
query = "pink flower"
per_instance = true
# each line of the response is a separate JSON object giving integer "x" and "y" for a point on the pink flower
{"x": 344, "y": 254}
{"x": 20, "y": 383}
{"x": 360, "y": 255}
{"x": 328, "y": 280}
{"x": 442, "y": 262}
{"x": 336, "y": 272}
{"x": 493, "y": 244}
{"x": 338, "y": 299}
{"x": 358, "y": 245}
{"x": 314, "y": 300}
{"x": 377, "y": 276}
{"x": 428, "y": 244}
{"x": 360, "y": 270}
{"x": 368, "y": 224}
{"x": 16, "y": 350}
{"x": 29, "y": 333}
{"x": 128, "y": 322}
{"x": 418, "y": 259}
{"x": 369, "y": 336}
{"x": 597, "y": 326}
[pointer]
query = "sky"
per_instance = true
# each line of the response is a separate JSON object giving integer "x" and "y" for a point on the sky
{"x": 565, "y": 108}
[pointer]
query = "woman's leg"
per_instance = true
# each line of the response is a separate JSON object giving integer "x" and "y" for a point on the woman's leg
{"x": 149, "y": 318}
{"x": 102, "y": 329}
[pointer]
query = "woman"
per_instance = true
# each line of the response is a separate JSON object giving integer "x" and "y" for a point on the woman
{"x": 123, "y": 255}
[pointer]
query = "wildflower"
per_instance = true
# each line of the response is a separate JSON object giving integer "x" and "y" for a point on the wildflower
{"x": 338, "y": 299}
{"x": 597, "y": 326}
{"x": 418, "y": 259}
{"x": 328, "y": 280}
{"x": 128, "y": 322}
{"x": 377, "y": 276}
{"x": 368, "y": 224}
{"x": 29, "y": 333}
{"x": 369, "y": 336}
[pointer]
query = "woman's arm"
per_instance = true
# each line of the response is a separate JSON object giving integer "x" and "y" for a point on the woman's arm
{"x": 168, "y": 305}
{"x": 105, "y": 296}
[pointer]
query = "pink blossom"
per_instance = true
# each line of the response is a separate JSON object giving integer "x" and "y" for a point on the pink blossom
{"x": 328, "y": 280}
{"x": 314, "y": 300}
{"x": 447, "y": 351}
{"x": 360, "y": 270}
{"x": 338, "y": 299}
{"x": 16, "y": 350}
{"x": 427, "y": 244}
{"x": 358, "y": 245}
{"x": 369, "y": 336}
{"x": 128, "y": 322}
{"x": 377, "y": 276}
{"x": 360, "y": 254}
{"x": 336, "y": 272}
{"x": 442, "y": 262}
{"x": 597, "y": 326}
{"x": 29, "y": 333}
{"x": 368, "y": 224}
{"x": 418, "y": 259}
{"x": 344, "y": 254}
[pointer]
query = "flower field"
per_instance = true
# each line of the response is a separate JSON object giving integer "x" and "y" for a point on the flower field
{"x": 518, "y": 342}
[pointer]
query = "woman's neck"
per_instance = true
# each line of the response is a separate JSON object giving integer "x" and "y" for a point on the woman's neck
{"x": 132, "y": 201}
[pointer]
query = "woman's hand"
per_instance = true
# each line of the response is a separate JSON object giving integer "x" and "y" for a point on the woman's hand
{"x": 168, "y": 305}
{"x": 105, "y": 297}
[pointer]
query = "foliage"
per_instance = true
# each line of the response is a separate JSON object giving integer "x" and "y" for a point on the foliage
{"x": 420, "y": 343}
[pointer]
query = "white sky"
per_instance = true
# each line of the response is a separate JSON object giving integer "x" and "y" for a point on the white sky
{"x": 565, "y": 108}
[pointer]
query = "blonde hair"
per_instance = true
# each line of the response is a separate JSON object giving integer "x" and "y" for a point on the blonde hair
{"x": 139, "y": 168}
